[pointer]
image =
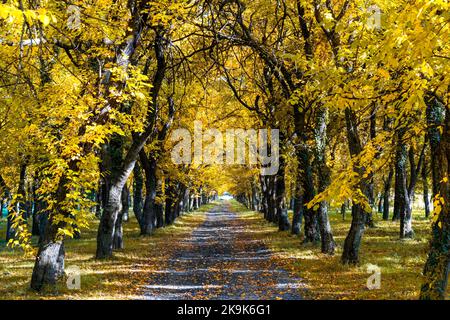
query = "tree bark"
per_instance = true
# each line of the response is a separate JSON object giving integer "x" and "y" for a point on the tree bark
{"x": 118, "y": 229}
{"x": 387, "y": 194}
{"x": 426, "y": 197}
{"x": 148, "y": 215}
{"x": 297, "y": 209}
{"x": 49, "y": 264}
{"x": 352, "y": 242}
{"x": 280, "y": 190}
{"x": 401, "y": 191}
{"x": 19, "y": 205}
{"x": 138, "y": 184}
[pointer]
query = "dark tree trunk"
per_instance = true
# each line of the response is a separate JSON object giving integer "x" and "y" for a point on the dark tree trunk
{"x": 118, "y": 229}
{"x": 387, "y": 194}
{"x": 324, "y": 180}
{"x": 138, "y": 185}
{"x": 352, "y": 242}
{"x": 149, "y": 216}
{"x": 305, "y": 177}
{"x": 436, "y": 270}
{"x": 297, "y": 209}
{"x": 120, "y": 175}
{"x": 19, "y": 205}
{"x": 49, "y": 263}
{"x": 280, "y": 190}
{"x": 159, "y": 209}
{"x": 264, "y": 196}
{"x": 115, "y": 182}
{"x": 168, "y": 215}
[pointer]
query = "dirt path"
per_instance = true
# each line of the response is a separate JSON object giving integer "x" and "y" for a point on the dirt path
{"x": 221, "y": 261}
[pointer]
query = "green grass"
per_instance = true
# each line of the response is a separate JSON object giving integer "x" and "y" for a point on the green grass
{"x": 400, "y": 261}
{"x": 121, "y": 277}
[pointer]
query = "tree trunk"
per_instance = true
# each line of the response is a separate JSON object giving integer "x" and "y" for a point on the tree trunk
{"x": 305, "y": 177}
{"x": 138, "y": 184}
{"x": 264, "y": 198}
{"x": 149, "y": 216}
{"x": 49, "y": 264}
{"x": 387, "y": 194}
{"x": 120, "y": 172}
{"x": 297, "y": 209}
{"x": 352, "y": 242}
{"x": 118, "y": 229}
{"x": 343, "y": 209}
{"x": 19, "y": 205}
{"x": 401, "y": 191}
{"x": 280, "y": 190}
{"x": 311, "y": 226}
{"x": 426, "y": 197}
{"x": 380, "y": 203}
{"x": 320, "y": 132}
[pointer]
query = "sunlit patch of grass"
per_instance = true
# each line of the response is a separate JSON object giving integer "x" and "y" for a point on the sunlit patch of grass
{"x": 121, "y": 277}
{"x": 400, "y": 261}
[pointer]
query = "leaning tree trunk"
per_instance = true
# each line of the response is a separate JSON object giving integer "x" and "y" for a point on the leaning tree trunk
{"x": 352, "y": 243}
{"x": 437, "y": 265}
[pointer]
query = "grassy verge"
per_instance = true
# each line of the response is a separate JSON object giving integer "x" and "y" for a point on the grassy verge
{"x": 121, "y": 277}
{"x": 400, "y": 261}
